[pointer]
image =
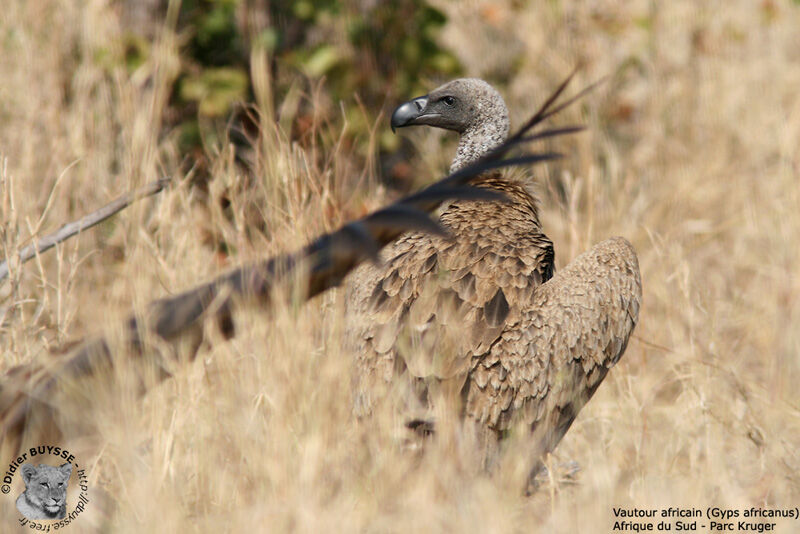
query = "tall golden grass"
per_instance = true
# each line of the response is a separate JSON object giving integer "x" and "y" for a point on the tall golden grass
{"x": 692, "y": 153}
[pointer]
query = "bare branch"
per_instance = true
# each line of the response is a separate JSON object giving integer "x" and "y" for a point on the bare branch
{"x": 76, "y": 227}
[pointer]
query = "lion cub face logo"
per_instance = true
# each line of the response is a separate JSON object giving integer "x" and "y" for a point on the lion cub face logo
{"x": 45, "y": 494}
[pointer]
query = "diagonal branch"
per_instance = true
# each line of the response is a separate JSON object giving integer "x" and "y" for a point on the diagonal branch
{"x": 76, "y": 227}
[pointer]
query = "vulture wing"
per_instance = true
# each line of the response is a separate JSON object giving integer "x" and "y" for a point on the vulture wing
{"x": 546, "y": 366}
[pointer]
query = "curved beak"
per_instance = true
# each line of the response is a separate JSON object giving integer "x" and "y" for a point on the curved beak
{"x": 407, "y": 113}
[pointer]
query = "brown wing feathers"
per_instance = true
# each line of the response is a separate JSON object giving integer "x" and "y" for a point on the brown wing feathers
{"x": 546, "y": 366}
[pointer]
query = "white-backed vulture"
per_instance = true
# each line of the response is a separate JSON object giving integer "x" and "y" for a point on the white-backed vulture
{"x": 481, "y": 321}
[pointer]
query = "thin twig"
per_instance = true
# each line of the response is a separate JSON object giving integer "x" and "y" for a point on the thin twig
{"x": 75, "y": 227}
{"x": 651, "y": 344}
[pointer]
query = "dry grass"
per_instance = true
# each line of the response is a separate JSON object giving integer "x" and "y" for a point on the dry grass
{"x": 692, "y": 154}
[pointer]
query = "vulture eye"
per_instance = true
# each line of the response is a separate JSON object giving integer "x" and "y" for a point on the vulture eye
{"x": 449, "y": 100}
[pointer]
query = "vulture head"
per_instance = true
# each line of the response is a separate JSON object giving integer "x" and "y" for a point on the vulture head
{"x": 469, "y": 106}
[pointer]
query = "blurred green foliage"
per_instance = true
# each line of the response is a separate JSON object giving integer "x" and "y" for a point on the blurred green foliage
{"x": 390, "y": 45}
{"x": 369, "y": 52}
{"x": 215, "y": 90}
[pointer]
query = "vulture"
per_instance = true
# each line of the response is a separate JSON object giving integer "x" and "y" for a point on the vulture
{"x": 479, "y": 324}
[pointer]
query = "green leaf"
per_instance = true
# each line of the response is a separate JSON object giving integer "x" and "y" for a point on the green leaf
{"x": 216, "y": 90}
{"x": 322, "y": 60}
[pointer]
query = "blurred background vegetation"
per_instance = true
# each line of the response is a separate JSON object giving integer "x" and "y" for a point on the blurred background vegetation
{"x": 366, "y": 53}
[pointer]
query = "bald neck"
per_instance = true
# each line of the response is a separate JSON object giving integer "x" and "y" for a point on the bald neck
{"x": 480, "y": 139}
{"x": 487, "y": 128}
